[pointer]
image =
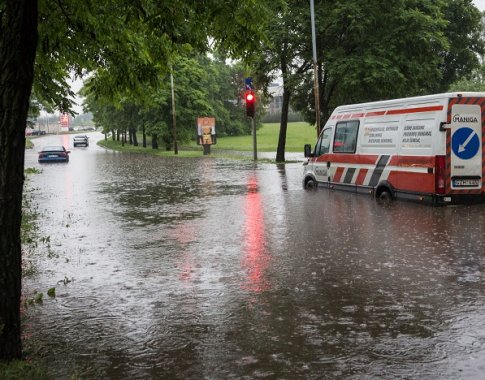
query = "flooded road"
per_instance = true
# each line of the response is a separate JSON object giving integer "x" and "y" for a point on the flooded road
{"x": 172, "y": 268}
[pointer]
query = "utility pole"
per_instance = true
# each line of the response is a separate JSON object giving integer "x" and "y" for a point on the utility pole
{"x": 174, "y": 125}
{"x": 255, "y": 145}
{"x": 315, "y": 70}
{"x": 250, "y": 99}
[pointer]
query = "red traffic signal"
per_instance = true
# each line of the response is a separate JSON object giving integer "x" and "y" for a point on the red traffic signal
{"x": 250, "y": 103}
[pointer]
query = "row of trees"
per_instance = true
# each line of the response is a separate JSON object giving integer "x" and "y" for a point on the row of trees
{"x": 203, "y": 86}
{"x": 366, "y": 51}
{"x": 369, "y": 50}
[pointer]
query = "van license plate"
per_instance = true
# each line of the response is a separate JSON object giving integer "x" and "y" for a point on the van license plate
{"x": 471, "y": 182}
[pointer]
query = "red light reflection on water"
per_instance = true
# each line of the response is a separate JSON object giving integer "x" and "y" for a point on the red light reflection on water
{"x": 256, "y": 258}
{"x": 184, "y": 234}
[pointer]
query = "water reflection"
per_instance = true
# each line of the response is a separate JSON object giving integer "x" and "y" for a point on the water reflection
{"x": 256, "y": 258}
{"x": 227, "y": 269}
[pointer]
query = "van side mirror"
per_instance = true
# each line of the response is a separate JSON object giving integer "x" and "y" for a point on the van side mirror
{"x": 308, "y": 150}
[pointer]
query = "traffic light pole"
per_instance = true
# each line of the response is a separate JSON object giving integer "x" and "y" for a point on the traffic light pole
{"x": 255, "y": 145}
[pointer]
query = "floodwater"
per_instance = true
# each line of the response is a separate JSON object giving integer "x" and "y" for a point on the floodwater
{"x": 172, "y": 268}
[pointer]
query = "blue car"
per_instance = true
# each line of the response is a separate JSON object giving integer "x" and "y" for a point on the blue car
{"x": 55, "y": 153}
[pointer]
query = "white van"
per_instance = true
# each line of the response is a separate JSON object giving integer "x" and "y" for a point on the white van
{"x": 427, "y": 148}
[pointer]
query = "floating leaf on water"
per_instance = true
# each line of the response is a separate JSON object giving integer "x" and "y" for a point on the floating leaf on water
{"x": 38, "y": 298}
{"x": 51, "y": 292}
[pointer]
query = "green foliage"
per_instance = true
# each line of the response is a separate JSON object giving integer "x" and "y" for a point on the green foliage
{"x": 28, "y": 143}
{"x": 22, "y": 370}
{"x": 32, "y": 171}
{"x": 474, "y": 85}
{"x": 37, "y": 298}
{"x": 464, "y": 31}
{"x": 202, "y": 87}
{"x": 372, "y": 50}
{"x": 127, "y": 45}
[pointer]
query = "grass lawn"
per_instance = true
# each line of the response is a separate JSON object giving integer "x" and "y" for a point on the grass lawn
{"x": 297, "y": 135}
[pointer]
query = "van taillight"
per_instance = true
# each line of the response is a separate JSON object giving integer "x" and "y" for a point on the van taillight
{"x": 440, "y": 174}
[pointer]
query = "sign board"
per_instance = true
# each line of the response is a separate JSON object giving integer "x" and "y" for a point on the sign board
{"x": 466, "y": 147}
{"x": 206, "y": 130}
{"x": 64, "y": 120}
{"x": 248, "y": 84}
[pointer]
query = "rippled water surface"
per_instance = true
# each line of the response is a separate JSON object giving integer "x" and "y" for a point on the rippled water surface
{"x": 223, "y": 269}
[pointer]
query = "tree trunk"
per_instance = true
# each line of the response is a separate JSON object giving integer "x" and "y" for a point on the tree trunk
{"x": 18, "y": 43}
{"x": 134, "y": 137}
{"x": 280, "y": 151}
{"x": 144, "y": 137}
{"x": 154, "y": 142}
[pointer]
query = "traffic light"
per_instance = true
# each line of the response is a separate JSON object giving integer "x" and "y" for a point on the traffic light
{"x": 250, "y": 103}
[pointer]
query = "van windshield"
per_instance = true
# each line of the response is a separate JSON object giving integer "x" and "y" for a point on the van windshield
{"x": 323, "y": 145}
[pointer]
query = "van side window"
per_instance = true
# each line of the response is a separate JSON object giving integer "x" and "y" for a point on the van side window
{"x": 346, "y": 137}
{"x": 323, "y": 145}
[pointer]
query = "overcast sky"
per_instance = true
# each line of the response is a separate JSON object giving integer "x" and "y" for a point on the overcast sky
{"x": 480, "y": 4}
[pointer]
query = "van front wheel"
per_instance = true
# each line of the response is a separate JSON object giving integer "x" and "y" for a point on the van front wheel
{"x": 310, "y": 184}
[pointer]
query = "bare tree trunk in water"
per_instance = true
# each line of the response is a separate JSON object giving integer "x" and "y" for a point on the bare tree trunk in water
{"x": 18, "y": 44}
{"x": 280, "y": 151}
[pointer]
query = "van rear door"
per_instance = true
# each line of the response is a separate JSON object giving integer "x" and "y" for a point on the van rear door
{"x": 466, "y": 147}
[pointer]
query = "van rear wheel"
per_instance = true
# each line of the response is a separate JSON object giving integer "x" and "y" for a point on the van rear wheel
{"x": 385, "y": 196}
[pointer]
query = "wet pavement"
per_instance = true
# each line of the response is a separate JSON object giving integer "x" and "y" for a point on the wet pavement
{"x": 212, "y": 268}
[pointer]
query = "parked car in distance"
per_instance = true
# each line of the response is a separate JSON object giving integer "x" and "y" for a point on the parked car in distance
{"x": 54, "y": 153}
{"x": 81, "y": 140}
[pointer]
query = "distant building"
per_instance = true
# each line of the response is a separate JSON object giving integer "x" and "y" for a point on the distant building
{"x": 276, "y": 103}
{"x": 273, "y": 109}
{"x": 43, "y": 124}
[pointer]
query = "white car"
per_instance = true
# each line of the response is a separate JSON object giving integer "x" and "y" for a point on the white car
{"x": 81, "y": 140}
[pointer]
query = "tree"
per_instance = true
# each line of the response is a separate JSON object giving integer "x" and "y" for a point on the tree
{"x": 373, "y": 50}
{"x": 367, "y": 50}
{"x": 464, "y": 32}
{"x": 18, "y": 28}
{"x": 129, "y": 42}
{"x": 370, "y": 50}
{"x": 285, "y": 54}
{"x": 203, "y": 87}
